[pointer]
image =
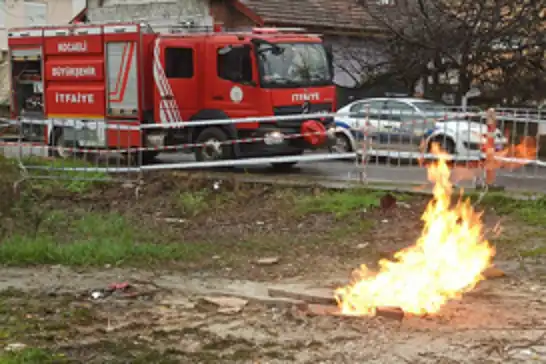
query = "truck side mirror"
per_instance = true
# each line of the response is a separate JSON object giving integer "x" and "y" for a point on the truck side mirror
{"x": 330, "y": 56}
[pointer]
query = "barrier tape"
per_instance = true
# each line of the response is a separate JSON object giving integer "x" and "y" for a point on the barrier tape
{"x": 152, "y": 149}
{"x": 365, "y": 130}
{"x": 76, "y": 123}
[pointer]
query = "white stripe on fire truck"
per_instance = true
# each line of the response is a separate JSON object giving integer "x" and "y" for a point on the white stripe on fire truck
{"x": 163, "y": 111}
{"x": 125, "y": 64}
{"x": 168, "y": 107}
{"x": 160, "y": 87}
{"x": 171, "y": 110}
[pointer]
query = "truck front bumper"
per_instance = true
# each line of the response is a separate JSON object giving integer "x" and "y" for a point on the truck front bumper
{"x": 267, "y": 141}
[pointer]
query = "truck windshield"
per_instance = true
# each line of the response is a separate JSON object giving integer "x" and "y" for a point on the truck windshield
{"x": 294, "y": 65}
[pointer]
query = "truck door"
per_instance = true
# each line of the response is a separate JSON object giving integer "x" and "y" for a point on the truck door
{"x": 176, "y": 92}
{"x": 232, "y": 83}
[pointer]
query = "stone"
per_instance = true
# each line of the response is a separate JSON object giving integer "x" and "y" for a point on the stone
{"x": 493, "y": 272}
{"x": 15, "y": 347}
{"x": 226, "y": 304}
{"x": 395, "y": 313}
{"x": 178, "y": 302}
{"x": 268, "y": 261}
{"x": 322, "y": 310}
{"x": 323, "y": 296}
{"x": 277, "y": 302}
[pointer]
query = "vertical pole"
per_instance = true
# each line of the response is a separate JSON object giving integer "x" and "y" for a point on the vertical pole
{"x": 363, "y": 174}
{"x": 490, "y": 172}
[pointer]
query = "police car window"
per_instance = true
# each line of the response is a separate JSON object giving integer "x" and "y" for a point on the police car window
{"x": 401, "y": 111}
{"x": 179, "y": 62}
{"x": 357, "y": 107}
{"x": 364, "y": 108}
{"x": 235, "y": 64}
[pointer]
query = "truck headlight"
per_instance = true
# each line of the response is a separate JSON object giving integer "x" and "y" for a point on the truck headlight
{"x": 274, "y": 138}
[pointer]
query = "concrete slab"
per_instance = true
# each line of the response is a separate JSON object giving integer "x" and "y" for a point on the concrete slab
{"x": 323, "y": 296}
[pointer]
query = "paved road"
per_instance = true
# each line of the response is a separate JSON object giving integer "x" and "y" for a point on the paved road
{"x": 530, "y": 178}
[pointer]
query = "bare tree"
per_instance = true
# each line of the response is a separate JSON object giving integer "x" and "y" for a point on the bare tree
{"x": 498, "y": 43}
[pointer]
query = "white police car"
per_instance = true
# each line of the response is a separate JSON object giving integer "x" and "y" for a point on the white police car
{"x": 405, "y": 125}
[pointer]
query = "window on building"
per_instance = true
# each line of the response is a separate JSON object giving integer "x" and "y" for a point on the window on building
{"x": 35, "y": 14}
{"x": 179, "y": 62}
{"x": 235, "y": 64}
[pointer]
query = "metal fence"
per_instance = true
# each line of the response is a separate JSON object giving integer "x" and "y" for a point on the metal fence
{"x": 384, "y": 145}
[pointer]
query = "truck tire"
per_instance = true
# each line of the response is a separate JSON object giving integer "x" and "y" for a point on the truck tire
{"x": 215, "y": 147}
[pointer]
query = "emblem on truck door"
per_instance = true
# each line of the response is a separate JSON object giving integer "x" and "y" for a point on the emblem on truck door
{"x": 236, "y": 94}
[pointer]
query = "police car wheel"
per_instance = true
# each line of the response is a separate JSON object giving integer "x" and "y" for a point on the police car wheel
{"x": 447, "y": 144}
{"x": 342, "y": 144}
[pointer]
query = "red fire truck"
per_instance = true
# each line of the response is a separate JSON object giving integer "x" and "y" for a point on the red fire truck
{"x": 73, "y": 85}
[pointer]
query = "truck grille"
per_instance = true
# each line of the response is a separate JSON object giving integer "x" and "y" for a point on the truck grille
{"x": 296, "y": 110}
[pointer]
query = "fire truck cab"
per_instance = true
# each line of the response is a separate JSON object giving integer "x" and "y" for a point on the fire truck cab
{"x": 97, "y": 86}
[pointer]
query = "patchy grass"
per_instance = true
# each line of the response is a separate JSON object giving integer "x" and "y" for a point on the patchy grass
{"x": 53, "y": 176}
{"x": 185, "y": 222}
{"x": 192, "y": 204}
{"x": 41, "y": 322}
{"x": 532, "y": 253}
{"x": 531, "y": 210}
{"x": 340, "y": 203}
{"x": 192, "y": 226}
{"x": 343, "y": 203}
{"x": 48, "y": 177}
{"x": 523, "y": 222}
{"x": 32, "y": 356}
{"x": 91, "y": 240}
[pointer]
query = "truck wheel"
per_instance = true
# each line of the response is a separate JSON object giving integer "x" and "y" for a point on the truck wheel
{"x": 214, "y": 147}
{"x": 60, "y": 147}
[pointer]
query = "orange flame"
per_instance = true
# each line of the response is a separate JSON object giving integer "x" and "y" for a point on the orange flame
{"x": 446, "y": 261}
{"x": 526, "y": 150}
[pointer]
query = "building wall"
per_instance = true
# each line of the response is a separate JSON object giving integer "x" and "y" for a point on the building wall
{"x": 19, "y": 13}
{"x": 149, "y": 10}
{"x": 228, "y": 16}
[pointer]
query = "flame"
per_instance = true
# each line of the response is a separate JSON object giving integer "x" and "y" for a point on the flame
{"x": 445, "y": 262}
{"x": 525, "y": 152}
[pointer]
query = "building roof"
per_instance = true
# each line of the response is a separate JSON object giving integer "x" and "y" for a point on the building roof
{"x": 335, "y": 14}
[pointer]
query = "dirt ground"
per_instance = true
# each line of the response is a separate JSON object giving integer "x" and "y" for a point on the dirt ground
{"x": 240, "y": 240}
{"x": 163, "y": 319}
